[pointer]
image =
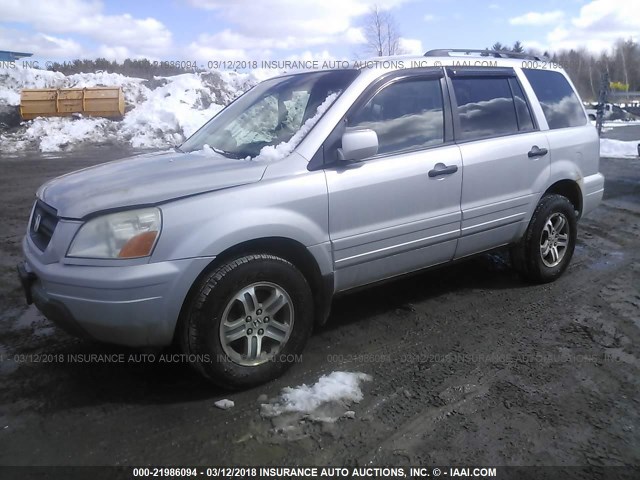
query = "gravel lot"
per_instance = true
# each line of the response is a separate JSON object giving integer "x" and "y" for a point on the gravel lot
{"x": 470, "y": 365}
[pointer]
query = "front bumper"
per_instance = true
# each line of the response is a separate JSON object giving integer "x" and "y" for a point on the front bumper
{"x": 54, "y": 310}
{"x": 133, "y": 305}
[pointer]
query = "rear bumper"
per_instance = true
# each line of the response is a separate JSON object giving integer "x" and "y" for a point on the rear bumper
{"x": 592, "y": 191}
{"x": 136, "y": 305}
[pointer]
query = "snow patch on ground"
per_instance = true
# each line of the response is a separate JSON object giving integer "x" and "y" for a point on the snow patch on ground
{"x": 160, "y": 113}
{"x": 620, "y": 123}
{"x": 31, "y": 319}
{"x": 224, "y": 404}
{"x": 343, "y": 387}
{"x": 608, "y": 126}
{"x": 618, "y": 148}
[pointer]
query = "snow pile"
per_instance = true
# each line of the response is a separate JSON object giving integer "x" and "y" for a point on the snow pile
{"x": 12, "y": 80}
{"x": 173, "y": 111}
{"x": 335, "y": 387}
{"x": 607, "y": 126}
{"x": 160, "y": 113}
{"x": 53, "y": 133}
{"x": 277, "y": 152}
{"x": 618, "y": 148}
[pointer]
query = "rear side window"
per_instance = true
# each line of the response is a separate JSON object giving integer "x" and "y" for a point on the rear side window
{"x": 559, "y": 102}
{"x": 485, "y": 107}
{"x": 406, "y": 115}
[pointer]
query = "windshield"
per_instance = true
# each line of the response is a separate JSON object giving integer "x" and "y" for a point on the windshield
{"x": 270, "y": 114}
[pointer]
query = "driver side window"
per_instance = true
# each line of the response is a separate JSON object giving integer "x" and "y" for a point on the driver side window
{"x": 269, "y": 118}
{"x": 406, "y": 115}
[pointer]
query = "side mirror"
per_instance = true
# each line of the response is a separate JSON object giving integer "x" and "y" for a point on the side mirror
{"x": 358, "y": 145}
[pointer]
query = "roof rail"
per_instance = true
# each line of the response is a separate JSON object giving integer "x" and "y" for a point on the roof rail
{"x": 446, "y": 52}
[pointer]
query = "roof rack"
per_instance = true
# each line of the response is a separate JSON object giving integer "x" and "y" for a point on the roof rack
{"x": 446, "y": 52}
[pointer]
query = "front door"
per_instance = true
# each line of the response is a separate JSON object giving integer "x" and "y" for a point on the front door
{"x": 398, "y": 211}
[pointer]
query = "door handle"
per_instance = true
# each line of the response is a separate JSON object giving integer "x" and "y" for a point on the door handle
{"x": 537, "y": 152}
{"x": 442, "y": 169}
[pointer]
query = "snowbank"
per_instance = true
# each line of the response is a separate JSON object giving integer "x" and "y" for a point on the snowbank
{"x": 160, "y": 113}
{"x": 618, "y": 148}
{"x": 607, "y": 126}
{"x": 620, "y": 123}
{"x": 335, "y": 387}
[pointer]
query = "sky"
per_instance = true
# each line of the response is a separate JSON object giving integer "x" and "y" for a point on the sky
{"x": 235, "y": 30}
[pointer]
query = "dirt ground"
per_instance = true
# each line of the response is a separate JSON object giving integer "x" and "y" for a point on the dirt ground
{"x": 470, "y": 365}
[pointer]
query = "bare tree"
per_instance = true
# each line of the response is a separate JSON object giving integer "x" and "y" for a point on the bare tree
{"x": 381, "y": 33}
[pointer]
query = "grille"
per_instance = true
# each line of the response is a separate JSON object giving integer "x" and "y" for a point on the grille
{"x": 43, "y": 224}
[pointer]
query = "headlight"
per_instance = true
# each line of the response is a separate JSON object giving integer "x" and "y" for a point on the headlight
{"x": 118, "y": 235}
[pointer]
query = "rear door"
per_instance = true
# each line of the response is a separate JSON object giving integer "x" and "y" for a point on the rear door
{"x": 505, "y": 156}
{"x": 574, "y": 143}
{"x": 388, "y": 214}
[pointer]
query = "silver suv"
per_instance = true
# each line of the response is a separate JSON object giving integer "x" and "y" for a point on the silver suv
{"x": 308, "y": 185}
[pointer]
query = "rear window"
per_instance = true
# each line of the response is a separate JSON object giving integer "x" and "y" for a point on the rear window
{"x": 559, "y": 102}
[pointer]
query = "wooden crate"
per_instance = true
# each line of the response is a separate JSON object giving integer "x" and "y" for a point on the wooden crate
{"x": 93, "y": 101}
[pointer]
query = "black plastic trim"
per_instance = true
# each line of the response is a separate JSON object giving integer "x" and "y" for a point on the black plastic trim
{"x": 47, "y": 223}
{"x": 447, "y": 170}
{"x": 464, "y": 71}
{"x": 445, "y": 52}
{"x": 323, "y": 306}
{"x": 26, "y": 280}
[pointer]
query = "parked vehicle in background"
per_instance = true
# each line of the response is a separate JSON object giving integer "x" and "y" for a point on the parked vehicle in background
{"x": 308, "y": 186}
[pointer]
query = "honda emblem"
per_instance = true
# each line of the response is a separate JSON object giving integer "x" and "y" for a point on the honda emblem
{"x": 36, "y": 223}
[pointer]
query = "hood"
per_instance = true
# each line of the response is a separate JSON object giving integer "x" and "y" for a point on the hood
{"x": 145, "y": 179}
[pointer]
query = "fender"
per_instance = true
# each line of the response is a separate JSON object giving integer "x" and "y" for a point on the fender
{"x": 295, "y": 208}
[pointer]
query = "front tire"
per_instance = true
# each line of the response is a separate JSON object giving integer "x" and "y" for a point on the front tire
{"x": 249, "y": 321}
{"x": 545, "y": 251}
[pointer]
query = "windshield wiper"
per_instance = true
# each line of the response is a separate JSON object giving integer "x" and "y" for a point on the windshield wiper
{"x": 178, "y": 149}
{"x": 224, "y": 152}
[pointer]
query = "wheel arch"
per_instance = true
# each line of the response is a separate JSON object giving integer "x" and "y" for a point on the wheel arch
{"x": 286, "y": 248}
{"x": 569, "y": 189}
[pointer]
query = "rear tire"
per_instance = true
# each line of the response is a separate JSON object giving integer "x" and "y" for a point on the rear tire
{"x": 248, "y": 322}
{"x": 545, "y": 251}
